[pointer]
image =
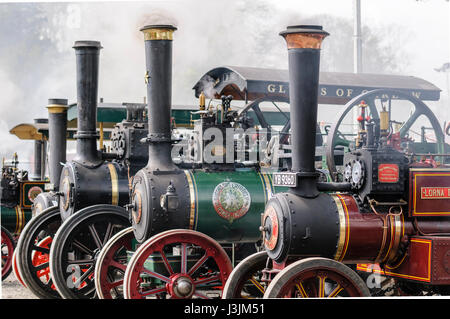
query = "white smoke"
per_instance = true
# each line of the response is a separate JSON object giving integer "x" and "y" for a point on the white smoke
{"x": 211, "y": 33}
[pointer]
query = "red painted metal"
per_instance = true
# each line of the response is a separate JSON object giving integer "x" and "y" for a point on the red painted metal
{"x": 112, "y": 262}
{"x": 427, "y": 260}
{"x": 7, "y": 253}
{"x": 206, "y": 249}
{"x": 429, "y": 192}
{"x": 39, "y": 258}
{"x": 16, "y": 269}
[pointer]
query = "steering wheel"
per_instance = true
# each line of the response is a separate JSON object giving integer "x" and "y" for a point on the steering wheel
{"x": 420, "y": 108}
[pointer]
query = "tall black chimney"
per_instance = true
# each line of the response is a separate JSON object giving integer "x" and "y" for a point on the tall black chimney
{"x": 57, "y": 127}
{"x": 39, "y": 154}
{"x": 87, "y": 61}
{"x": 303, "y": 42}
{"x": 158, "y": 77}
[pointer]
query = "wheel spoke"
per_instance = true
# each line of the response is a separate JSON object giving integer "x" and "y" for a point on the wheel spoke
{"x": 166, "y": 262}
{"x": 183, "y": 258}
{"x": 118, "y": 265}
{"x": 200, "y": 295}
{"x": 95, "y": 236}
{"x": 108, "y": 233}
{"x": 322, "y": 286}
{"x": 43, "y": 250}
{"x": 82, "y": 247}
{"x": 302, "y": 290}
{"x": 41, "y": 266}
{"x": 153, "y": 291}
{"x": 257, "y": 285}
{"x": 82, "y": 262}
{"x": 84, "y": 277}
{"x": 197, "y": 265}
{"x": 336, "y": 291}
{"x": 114, "y": 284}
{"x": 90, "y": 291}
{"x": 156, "y": 275}
{"x": 201, "y": 282}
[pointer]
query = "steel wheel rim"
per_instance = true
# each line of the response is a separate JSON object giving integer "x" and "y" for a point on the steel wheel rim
{"x": 188, "y": 275}
{"x": 16, "y": 269}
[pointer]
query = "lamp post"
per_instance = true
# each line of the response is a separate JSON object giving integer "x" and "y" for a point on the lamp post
{"x": 446, "y": 69}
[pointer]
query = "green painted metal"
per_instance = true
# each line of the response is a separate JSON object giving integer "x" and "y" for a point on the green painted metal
{"x": 115, "y": 113}
{"x": 273, "y": 118}
{"x": 29, "y": 191}
{"x": 104, "y": 114}
{"x": 14, "y": 218}
{"x": 229, "y": 204}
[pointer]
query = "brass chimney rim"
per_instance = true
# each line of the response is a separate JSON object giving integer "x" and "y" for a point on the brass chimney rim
{"x": 158, "y": 32}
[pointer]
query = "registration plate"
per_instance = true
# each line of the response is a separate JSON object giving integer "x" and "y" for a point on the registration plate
{"x": 285, "y": 179}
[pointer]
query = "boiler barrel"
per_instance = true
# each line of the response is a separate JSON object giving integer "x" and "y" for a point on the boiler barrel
{"x": 82, "y": 186}
{"x": 228, "y": 205}
{"x": 15, "y": 218}
{"x": 225, "y": 205}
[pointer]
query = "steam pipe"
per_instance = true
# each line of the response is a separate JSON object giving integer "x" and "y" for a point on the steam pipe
{"x": 87, "y": 63}
{"x": 303, "y": 44}
{"x": 158, "y": 77}
{"x": 57, "y": 127}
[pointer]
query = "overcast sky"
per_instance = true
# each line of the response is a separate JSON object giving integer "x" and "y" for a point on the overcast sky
{"x": 206, "y": 38}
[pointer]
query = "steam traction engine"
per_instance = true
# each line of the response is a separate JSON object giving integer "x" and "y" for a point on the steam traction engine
{"x": 92, "y": 178}
{"x": 19, "y": 191}
{"x": 391, "y": 210}
{"x": 187, "y": 219}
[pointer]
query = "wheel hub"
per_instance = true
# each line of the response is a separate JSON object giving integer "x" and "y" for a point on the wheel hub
{"x": 181, "y": 286}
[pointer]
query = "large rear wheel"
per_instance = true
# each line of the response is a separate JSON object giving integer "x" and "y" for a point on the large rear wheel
{"x": 76, "y": 247}
{"x": 316, "y": 277}
{"x": 177, "y": 264}
{"x": 111, "y": 265}
{"x": 247, "y": 279}
{"x": 33, "y": 250}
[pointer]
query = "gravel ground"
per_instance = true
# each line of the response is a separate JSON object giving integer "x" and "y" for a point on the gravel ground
{"x": 13, "y": 289}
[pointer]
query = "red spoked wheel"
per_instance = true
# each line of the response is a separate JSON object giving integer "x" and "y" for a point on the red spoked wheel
{"x": 177, "y": 264}
{"x": 33, "y": 252}
{"x": 16, "y": 269}
{"x": 40, "y": 258}
{"x": 8, "y": 246}
{"x": 111, "y": 265}
{"x": 316, "y": 278}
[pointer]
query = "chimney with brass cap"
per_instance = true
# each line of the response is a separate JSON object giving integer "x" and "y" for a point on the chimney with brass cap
{"x": 158, "y": 78}
{"x": 57, "y": 127}
{"x": 303, "y": 43}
